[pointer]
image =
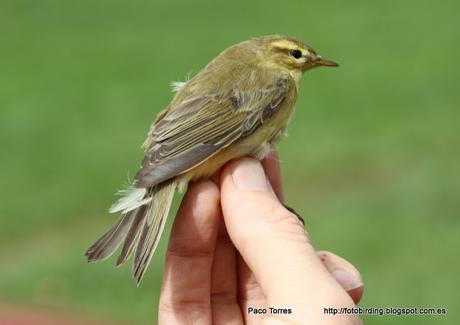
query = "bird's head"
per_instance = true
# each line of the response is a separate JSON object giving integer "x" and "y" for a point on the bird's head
{"x": 289, "y": 53}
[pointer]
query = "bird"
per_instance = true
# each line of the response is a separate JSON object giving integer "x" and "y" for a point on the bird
{"x": 238, "y": 105}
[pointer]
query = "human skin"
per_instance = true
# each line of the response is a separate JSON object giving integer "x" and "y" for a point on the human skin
{"x": 233, "y": 246}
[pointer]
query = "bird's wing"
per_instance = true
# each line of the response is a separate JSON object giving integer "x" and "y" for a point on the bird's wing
{"x": 204, "y": 123}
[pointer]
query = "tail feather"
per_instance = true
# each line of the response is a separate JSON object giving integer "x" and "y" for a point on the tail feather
{"x": 156, "y": 217}
{"x": 133, "y": 235}
{"x": 109, "y": 242}
{"x": 139, "y": 227}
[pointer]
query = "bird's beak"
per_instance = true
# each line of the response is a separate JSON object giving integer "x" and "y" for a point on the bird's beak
{"x": 315, "y": 61}
{"x": 325, "y": 63}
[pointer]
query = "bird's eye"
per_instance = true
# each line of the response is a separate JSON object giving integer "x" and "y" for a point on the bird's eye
{"x": 296, "y": 54}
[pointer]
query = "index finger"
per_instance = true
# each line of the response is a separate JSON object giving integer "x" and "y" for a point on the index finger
{"x": 186, "y": 286}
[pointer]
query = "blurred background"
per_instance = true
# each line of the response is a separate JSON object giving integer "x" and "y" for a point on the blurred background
{"x": 372, "y": 160}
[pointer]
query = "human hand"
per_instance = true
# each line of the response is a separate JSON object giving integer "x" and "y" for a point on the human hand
{"x": 236, "y": 247}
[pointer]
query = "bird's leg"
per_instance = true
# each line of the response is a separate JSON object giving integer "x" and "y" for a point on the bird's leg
{"x": 295, "y": 212}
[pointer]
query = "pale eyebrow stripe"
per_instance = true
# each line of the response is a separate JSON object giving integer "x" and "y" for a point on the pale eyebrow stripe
{"x": 287, "y": 46}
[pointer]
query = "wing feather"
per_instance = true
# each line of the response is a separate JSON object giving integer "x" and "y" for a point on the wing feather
{"x": 204, "y": 123}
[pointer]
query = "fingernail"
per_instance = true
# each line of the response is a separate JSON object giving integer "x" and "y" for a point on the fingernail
{"x": 248, "y": 174}
{"x": 347, "y": 280}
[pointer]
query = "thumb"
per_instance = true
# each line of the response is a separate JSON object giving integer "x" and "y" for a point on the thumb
{"x": 271, "y": 239}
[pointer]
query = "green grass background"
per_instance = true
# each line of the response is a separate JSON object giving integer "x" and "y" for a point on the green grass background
{"x": 372, "y": 160}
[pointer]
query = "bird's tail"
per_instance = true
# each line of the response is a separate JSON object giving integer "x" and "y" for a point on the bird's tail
{"x": 140, "y": 226}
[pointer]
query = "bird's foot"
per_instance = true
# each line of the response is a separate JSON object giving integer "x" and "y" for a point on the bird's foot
{"x": 295, "y": 212}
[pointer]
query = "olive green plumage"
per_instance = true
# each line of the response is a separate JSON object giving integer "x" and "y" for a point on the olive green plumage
{"x": 238, "y": 105}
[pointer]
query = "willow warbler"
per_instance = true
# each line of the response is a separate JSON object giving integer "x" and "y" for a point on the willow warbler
{"x": 238, "y": 105}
